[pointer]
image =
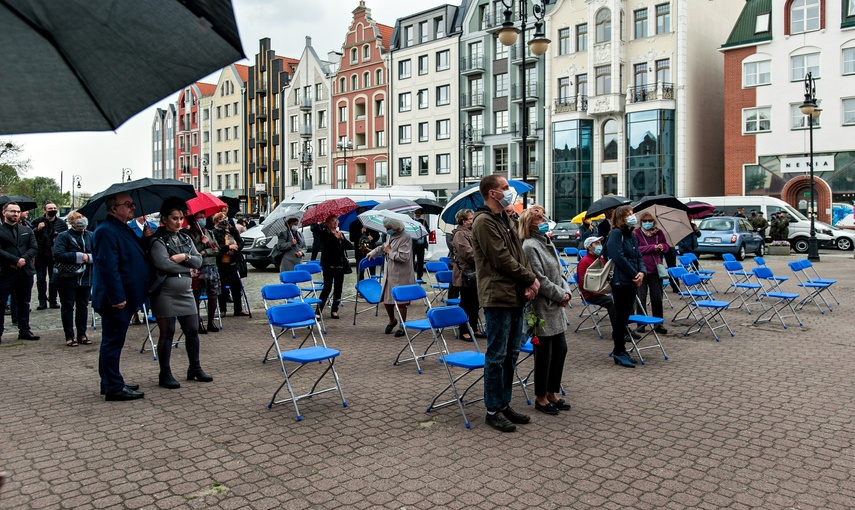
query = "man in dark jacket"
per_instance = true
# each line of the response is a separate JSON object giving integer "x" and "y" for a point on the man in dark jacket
{"x": 119, "y": 286}
{"x": 505, "y": 283}
{"x": 18, "y": 250}
{"x": 47, "y": 227}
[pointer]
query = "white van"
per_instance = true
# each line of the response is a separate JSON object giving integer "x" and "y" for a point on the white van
{"x": 799, "y": 228}
{"x": 257, "y": 246}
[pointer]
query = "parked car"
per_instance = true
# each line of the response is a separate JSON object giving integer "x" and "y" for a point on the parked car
{"x": 727, "y": 234}
{"x": 565, "y": 235}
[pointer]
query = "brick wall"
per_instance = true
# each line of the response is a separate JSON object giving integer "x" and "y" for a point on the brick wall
{"x": 739, "y": 149}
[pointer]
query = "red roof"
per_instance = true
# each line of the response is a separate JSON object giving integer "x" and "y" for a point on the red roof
{"x": 386, "y": 34}
{"x": 290, "y": 63}
{"x": 243, "y": 72}
{"x": 206, "y": 89}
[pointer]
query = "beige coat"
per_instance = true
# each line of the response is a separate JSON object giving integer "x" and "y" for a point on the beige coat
{"x": 464, "y": 255}
{"x": 398, "y": 264}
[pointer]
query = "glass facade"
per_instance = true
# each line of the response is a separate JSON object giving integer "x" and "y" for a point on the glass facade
{"x": 572, "y": 167}
{"x": 650, "y": 153}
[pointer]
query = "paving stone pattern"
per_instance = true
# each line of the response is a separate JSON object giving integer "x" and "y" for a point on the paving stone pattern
{"x": 762, "y": 420}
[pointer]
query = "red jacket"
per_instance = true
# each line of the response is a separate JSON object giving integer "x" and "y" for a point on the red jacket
{"x": 584, "y": 263}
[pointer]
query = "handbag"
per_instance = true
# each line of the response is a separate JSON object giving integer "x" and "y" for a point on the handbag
{"x": 598, "y": 277}
{"x": 470, "y": 277}
{"x": 66, "y": 270}
{"x": 662, "y": 269}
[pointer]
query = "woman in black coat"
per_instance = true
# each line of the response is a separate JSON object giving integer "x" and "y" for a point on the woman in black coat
{"x": 73, "y": 250}
{"x": 335, "y": 263}
{"x": 230, "y": 244}
{"x": 628, "y": 276}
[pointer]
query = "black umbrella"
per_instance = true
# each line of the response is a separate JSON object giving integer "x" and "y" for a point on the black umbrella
{"x": 148, "y": 195}
{"x": 604, "y": 204}
{"x": 25, "y": 203}
{"x": 83, "y": 65}
{"x": 233, "y": 203}
{"x": 666, "y": 200}
{"x": 429, "y": 206}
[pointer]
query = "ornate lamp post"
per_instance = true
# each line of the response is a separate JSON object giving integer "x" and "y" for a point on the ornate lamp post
{"x": 75, "y": 180}
{"x": 344, "y": 145}
{"x": 126, "y": 175}
{"x": 465, "y": 143}
{"x": 812, "y": 111}
{"x": 306, "y": 161}
{"x": 538, "y": 46}
{"x": 205, "y": 181}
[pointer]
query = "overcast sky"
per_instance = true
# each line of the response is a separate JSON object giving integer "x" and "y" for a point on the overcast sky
{"x": 98, "y": 157}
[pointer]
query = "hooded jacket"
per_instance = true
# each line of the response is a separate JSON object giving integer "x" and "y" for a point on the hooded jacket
{"x": 502, "y": 268}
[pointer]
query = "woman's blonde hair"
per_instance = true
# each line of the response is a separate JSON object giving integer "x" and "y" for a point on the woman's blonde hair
{"x": 529, "y": 219}
{"x": 72, "y": 217}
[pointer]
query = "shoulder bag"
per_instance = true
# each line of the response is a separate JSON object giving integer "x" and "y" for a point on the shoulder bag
{"x": 68, "y": 270}
{"x": 598, "y": 277}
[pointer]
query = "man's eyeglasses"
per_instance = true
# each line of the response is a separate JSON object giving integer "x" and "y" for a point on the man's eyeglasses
{"x": 129, "y": 204}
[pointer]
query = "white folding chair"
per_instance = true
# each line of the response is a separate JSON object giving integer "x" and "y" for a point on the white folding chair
{"x": 299, "y": 315}
{"x": 467, "y": 361}
{"x": 707, "y": 309}
{"x": 773, "y": 298}
{"x": 814, "y": 288}
{"x": 413, "y": 327}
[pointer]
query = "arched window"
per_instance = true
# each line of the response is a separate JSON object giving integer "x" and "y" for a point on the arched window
{"x": 378, "y": 77}
{"x": 341, "y": 85}
{"x": 604, "y": 25}
{"x": 353, "y": 56}
{"x": 804, "y": 16}
{"x": 366, "y": 52}
{"x": 610, "y": 140}
{"x": 354, "y": 82}
{"x": 366, "y": 79}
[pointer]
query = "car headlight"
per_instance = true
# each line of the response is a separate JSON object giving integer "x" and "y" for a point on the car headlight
{"x": 261, "y": 241}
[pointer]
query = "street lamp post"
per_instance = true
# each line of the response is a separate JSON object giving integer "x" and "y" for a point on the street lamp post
{"x": 344, "y": 145}
{"x": 75, "y": 181}
{"x": 306, "y": 161}
{"x": 812, "y": 111}
{"x": 205, "y": 181}
{"x": 126, "y": 175}
{"x": 465, "y": 143}
{"x": 538, "y": 46}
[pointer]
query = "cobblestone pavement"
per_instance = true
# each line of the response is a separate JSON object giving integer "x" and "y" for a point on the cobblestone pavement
{"x": 764, "y": 419}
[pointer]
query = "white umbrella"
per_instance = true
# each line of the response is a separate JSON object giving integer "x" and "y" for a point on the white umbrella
{"x": 373, "y": 219}
{"x": 674, "y": 223}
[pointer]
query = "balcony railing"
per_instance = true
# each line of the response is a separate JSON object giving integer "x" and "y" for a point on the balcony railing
{"x": 474, "y": 172}
{"x": 530, "y": 89}
{"x": 534, "y": 169}
{"x": 472, "y": 100}
{"x": 531, "y": 133}
{"x": 654, "y": 92}
{"x": 571, "y": 104}
{"x": 305, "y": 103}
{"x": 475, "y": 137}
{"x": 305, "y": 131}
{"x": 470, "y": 65}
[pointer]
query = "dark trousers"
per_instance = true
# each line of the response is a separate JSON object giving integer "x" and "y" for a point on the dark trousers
{"x": 653, "y": 284}
{"x": 44, "y": 270}
{"x": 549, "y": 358}
{"x": 419, "y": 259}
{"x": 470, "y": 304}
{"x": 504, "y": 339}
{"x": 624, "y": 297}
{"x": 333, "y": 282}
{"x": 22, "y": 284}
{"x": 316, "y": 247}
{"x": 114, "y": 328}
{"x": 190, "y": 327}
{"x": 74, "y": 304}
{"x": 608, "y": 303}
{"x": 229, "y": 277}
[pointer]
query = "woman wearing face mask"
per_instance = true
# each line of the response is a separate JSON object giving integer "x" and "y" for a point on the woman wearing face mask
{"x": 550, "y": 350}
{"x": 335, "y": 263}
{"x": 208, "y": 281}
{"x": 72, "y": 251}
{"x": 398, "y": 267}
{"x": 291, "y": 245}
{"x": 172, "y": 255}
{"x": 628, "y": 276}
{"x": 464, "y": 258}
{"x": 230, "y": 243}
{"x": 652, "y": 244}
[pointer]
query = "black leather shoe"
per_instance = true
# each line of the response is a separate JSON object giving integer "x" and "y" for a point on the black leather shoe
{"x": 499, "y": 422}
{"x": 400, "y": 333}
{"x": 661, "y": 330}
{"x": 389, "y": 328}
{"x": 198, "y": 374}
{"x": 549, "y": 408}
{"x": 514, "y": 416}
{"x": 202, "y": 330}
{"x": 623, "y": 360}
{"x": 561, "y": 405}
{"x": 125, "y": 394}
{"x": 27, "y": 335}
{"x": 128, "y": 386}
{"x": 630, "y": 358}
{"x": 212, "y": 328}
{"x": 41, "y": 307}
{"x": 167, "y": 381}
{"x": 54, "y": 306}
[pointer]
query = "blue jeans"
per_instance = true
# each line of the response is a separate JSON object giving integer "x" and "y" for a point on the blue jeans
{"x": 504, "y": 339}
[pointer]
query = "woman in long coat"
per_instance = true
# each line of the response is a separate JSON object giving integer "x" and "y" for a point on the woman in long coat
{"x": 74, "y": 247}
{"x": 464, "y": 258}
{"x": 398, "y": 268}
{"x": 291, "y": 245}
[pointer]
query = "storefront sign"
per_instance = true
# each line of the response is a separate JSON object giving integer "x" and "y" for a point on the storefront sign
{"x": 802, "y": 164}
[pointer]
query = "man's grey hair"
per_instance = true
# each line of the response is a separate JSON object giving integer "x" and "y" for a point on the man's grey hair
{"x": 394, "y": 224}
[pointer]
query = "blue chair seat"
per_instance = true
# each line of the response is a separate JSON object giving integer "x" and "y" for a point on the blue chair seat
{"x": 299, "y": 324}
{"x": 712, "y": 303}
{"x": 746, "y": 285}
{"x": 312, "y": 301}
{"x": 814, "y": 285}
{"x": 781, "y": 295}
{"x": 420, "y": 325}
{"x": 453, "y": 301}
{"x": 371, "y": 290}
{"x": 470, "y": 360}
{"x": 695, "y": 293}
{"x": 527, "y": 348}
{"x": 310, "y": 354}
{"x": 646, "y": 320}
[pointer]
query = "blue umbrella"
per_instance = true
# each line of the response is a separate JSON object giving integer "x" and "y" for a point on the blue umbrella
{"x": 470, "y": 198}
{"x": 345, "y": 220}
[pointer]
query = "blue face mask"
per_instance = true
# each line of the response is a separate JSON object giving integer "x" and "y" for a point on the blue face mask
{"x": 631, "y": 220}
{"x": 543, "y": 228}
{"x": 647, "y": 225}
{"x": 598, "y": 250}
{"x": 390, "y": 232}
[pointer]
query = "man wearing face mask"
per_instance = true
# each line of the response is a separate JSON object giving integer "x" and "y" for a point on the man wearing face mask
{"x": 47, "y": 227}
{"x": 505, "y": 282}
{"x": 72, "y": 252}
{"x": 593, "y": 251}
{"x": 18, "y": 248}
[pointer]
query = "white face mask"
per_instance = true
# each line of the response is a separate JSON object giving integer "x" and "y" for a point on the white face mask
{"x": 508, "y": 197}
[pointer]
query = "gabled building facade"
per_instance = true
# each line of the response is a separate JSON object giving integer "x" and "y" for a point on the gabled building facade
{"x": 222, "y": 136}
{"x": 188, "y": 136}
{"x": 163, "y": 143}
{"x": 635, "y": 99}
{"x": 360, "y": 104}
{"x": 424, "y": 79}
{"x": 772, "y": 46}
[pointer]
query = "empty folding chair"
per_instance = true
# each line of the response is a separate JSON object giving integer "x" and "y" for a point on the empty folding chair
{"x": 593, "y": 313}
{"x": 773, "y": 298}
{"x": 728, "y": 257}
{"x": 739, "y": 275}
{"x": 298, "y": 315}
{"x": 303, "y": 280}
{"x": 447, "y": 262}
{"x": 431, "y": 268}
{"x": 745, "y": 290}
{"x": 413, "y": 327}
{"x": 697, "y": 265}
{"x": 676, "y": 273}
{"x": 443, "y": 283}
{"x": 812, "y": 274}
{"x": 571, "y": 252}
{"x": 776, "y": 280}
{"x": 467, "y": 361}
{"x": 707, "y": 309}
{"x": 369, "y": 289}
{"x": 278, "y": 294}
{"x": 815, "y": 289}
{"x": 312, "y": 269}
{"x": 688, "y": 262}
{"x": 650, "y": 323}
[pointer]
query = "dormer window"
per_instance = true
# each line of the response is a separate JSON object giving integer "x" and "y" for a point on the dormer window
{"x": 761, "y": 24}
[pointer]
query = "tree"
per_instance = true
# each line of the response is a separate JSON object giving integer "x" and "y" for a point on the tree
{"x": 12, "y": 165}
{"x": 40, "y": 189}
